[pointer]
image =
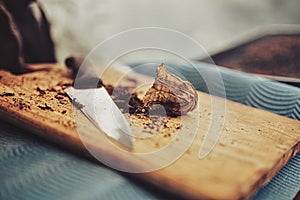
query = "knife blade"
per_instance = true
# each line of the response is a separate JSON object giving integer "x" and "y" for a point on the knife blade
{"x": 100, "y": 109}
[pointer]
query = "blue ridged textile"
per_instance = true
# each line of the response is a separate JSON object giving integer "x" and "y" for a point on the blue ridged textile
{"x": 31, "y": 168}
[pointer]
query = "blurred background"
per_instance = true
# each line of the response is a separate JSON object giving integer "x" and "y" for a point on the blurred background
{"x": 78, "y": 26}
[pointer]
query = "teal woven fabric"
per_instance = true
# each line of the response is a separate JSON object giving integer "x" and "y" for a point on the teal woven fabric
{"x": 30, "y": 168}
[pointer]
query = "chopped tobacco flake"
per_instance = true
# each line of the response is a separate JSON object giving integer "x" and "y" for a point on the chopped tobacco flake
{"x": 41, "y": 92}
{"x": 45, "y": 107}
{"x": 7, "y": 94}
{"x": 77, "y": 104}
{"x": 59, "y": 97}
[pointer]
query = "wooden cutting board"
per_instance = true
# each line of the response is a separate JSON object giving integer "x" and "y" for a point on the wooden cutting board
{"x": 253, "y": 145}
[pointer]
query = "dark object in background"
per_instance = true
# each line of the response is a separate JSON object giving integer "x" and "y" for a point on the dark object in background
{"x": 24, "y": 35}
{"x": 273, "y": 55}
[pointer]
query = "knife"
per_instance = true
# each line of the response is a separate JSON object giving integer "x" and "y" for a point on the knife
{"x": 97, "y": 105}
{"x": 99, "y": 108}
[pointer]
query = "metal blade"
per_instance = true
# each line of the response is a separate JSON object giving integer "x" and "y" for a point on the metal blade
{"x": 100, "y": 109}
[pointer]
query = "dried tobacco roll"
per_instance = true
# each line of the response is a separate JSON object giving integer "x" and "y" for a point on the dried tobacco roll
{"x": 170, "y": 94}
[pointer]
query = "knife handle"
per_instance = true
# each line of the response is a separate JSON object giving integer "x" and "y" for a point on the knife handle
{"x": 73, "y": 63}
{"x": 85, "y": 79}
{"x": 87, "y": 83}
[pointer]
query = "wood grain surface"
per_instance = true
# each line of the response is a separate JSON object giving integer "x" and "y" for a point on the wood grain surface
{"x": 253, "y": 145}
